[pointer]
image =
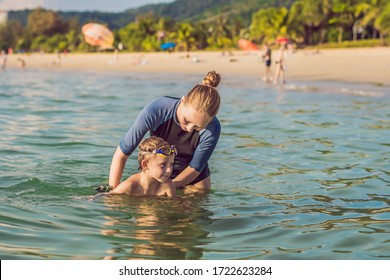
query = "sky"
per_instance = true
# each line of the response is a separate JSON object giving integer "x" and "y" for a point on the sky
{"x": 77, "y": 5}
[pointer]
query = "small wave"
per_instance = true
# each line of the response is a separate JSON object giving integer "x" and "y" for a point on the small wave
{"x": 359, "y": 92}
{"x": 67, "y": 144}
{"x": 31, "y": 182}
{"x": 22, "y": 192}
{"x": 28, "y": 188}
{"x": 46, "y": 190}
{"x": 338, "y": 88}
{"x": 302, "y": 87}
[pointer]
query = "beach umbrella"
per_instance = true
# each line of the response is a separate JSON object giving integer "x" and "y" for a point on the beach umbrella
{"x": 98, "y": 35}
{"x": 247, "y": 45}
{"x": 281, "y": 40}
{"x": 168, "y": 45}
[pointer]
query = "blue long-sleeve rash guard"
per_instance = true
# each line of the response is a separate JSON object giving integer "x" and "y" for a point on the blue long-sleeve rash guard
{"x": 159, "y": 117}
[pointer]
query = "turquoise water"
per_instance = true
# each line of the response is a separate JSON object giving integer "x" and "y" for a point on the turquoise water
{"x": 300, "y": 172}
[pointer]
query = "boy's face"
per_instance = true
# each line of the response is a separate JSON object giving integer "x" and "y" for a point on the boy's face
{"x": 160, "y": 167}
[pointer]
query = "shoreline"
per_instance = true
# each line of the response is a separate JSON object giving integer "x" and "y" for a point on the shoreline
{"x": 363, "y": 65}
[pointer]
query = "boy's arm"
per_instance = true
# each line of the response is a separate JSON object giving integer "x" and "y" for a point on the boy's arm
{"x": 171, "y": 192}
{"x": 169, "y": 189}
{"x": 123, "y": 188}
{"x": 97, "y": 195}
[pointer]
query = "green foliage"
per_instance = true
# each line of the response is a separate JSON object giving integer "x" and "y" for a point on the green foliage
{"x": 382, "y": 22}
{"x": 72, "y": 39}
{"x": 45, "y": 23}
{"x": 38, "y": 43}
{"x": 268, "y": 23}
{"x": 10, "y": 34}
{"x": 185, "y": 35}
{"x": 355, "y": 44}
{"x": 201, "y": 35}
{"x": 204, "y": 24}
{"x": 219, "y": 35}
{"x": 56, "y": 42}
{"x": 307, "y": 20}
{"x": 179, "y": 10}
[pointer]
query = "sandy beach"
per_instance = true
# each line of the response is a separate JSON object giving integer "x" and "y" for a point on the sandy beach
{"x": 363, "y": 65}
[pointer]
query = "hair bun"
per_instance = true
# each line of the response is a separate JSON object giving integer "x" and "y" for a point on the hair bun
{"x": 212, "y": 79}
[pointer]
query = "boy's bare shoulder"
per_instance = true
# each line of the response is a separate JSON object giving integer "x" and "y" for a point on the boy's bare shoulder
{"x": 168, "y": 189}
{"x": 129, "y": 187}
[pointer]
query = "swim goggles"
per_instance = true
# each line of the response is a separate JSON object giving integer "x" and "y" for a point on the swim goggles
{"x": 164, "y": 150}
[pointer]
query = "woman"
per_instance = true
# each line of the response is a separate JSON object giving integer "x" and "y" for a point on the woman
{"x": 280, "y": 65}
{"x": 267, "y": 59}
{"x": 189, "y": 123}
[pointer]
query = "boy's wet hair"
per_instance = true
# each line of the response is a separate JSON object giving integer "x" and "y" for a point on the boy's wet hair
{"x": 149, "y": 145}
{"x": 204, "y": 97}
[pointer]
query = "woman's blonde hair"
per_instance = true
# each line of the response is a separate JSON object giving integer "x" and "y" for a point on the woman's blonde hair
{"x": 147, "y": 147}
{"x": 204, "y": 97}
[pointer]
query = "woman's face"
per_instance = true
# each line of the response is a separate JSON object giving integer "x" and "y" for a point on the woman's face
{"x": 190, "y": 119}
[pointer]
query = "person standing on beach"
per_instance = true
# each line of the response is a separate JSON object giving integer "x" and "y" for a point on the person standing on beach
{"x": 21, "y": 63}
{"x": 267, "y": 60}
{"x": 4, "y": 58}
{"x": 280, "y": 65}
{"x": 189, "y": 123}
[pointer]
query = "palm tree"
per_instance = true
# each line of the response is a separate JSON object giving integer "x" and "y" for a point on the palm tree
{"x": 370, "y": 10}
{"x": 308, "y": 19}
{"x": 45, "y": 23}
{"x": 382, "y": 22}
{"x": 268, "y": 23}
{"x": 184, "y": 35}
{"x": 10, "y": 33}
{"x": 343, "y": 16}
{"x": 220, "y": 35}
{"x": 200, "y": 35}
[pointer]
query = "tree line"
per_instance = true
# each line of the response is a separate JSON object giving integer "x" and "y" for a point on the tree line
{"x": 305, "y": 22}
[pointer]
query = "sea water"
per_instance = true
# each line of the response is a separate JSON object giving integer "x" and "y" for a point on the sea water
{"x": 301, "y": 171}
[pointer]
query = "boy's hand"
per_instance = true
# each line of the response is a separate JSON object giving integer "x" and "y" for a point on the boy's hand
{"x": 103, "y": 188}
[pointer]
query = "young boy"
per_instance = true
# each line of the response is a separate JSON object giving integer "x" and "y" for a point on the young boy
{"x": 155, "y": 159}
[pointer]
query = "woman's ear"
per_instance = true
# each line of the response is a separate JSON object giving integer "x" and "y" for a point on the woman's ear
{"x": 183, "y": 99}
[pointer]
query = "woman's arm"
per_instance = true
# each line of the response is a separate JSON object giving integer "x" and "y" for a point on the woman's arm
{"x": 201, "y": 187}
{"x": 208, "y": 141}
{"x": 185, "y": 177}
{"x": 117, "y": 165}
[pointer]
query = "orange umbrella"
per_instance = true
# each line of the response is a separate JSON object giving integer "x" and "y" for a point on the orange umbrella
{"x": 281, "y": 40}
{"x": 247, "y": 45}
{"x": 98, "y": 35}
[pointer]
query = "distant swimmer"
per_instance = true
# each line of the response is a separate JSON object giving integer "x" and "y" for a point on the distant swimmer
{"x": 21, "y": 63}
{"x": 4, "y": 58}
